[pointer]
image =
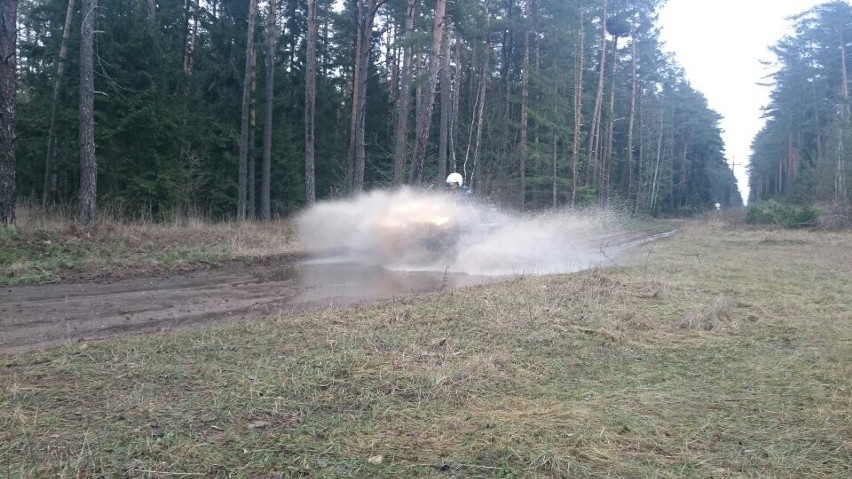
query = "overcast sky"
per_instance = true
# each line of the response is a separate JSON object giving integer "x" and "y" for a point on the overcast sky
{"x": 720, "y": 44}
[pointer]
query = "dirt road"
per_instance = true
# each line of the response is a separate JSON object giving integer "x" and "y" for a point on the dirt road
{"x": 47, "y": 315}
{"x": 32, "y": 316}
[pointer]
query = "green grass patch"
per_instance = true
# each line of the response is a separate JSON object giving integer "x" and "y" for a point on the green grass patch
{"x": 715, "y": 353}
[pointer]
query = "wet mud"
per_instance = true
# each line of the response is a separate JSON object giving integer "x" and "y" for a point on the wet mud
{"x": 33, "y": 316}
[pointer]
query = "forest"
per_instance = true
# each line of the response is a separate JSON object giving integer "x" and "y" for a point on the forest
{"x": 254, "y": 109}
{"x": 802, "y": 153}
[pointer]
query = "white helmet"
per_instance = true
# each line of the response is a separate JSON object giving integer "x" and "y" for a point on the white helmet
{"x": 455, "y": 178}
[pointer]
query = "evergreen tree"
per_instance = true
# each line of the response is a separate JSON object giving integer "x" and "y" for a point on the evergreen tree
{"x": 519, "y": 115}
{"x": 8, "y": 108}
{"x": 88, "y": 162}
{"x": 801, "y": 153}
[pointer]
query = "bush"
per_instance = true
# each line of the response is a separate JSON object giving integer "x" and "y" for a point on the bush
{"x": 772, "y": 212}
{"x": 836, "y": 217}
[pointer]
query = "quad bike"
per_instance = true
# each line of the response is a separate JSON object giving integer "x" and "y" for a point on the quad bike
{"x": 419, "y": 231}
{"x": 431, "y": 229}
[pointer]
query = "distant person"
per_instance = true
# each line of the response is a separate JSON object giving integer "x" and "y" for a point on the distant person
{"x": 455, "y": 185}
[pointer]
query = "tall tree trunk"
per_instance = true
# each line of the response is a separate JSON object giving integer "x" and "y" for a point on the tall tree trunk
{"x": 88, "y": 162}
{"x": 554, "y": 166}
{"x": 480, "y": 120}
{"x": 507, "y": 50}
{"x": 425, "y": 115}
{"x": 631, "y": 190}
{"x": 607, "y": 159}
{"x": 818, "y": 133}
{"x": 553, "y": 169}
{"x": 473, "y": 92}
{"x": 418, "y": 90}
{"x": 444, "y": 128}
{"x": 360, "y": 112}
{"x": 404, "y": 102}
{"x": 595, "y": 127}
{"x": 357, "y": 151}
{"x": 839, "y": 177}
{"x": 187, "y": 27}
{"x": 323, "y": 65}
{"x": 310, "y": 103}
{"x": 392, "y": 53}
{"x": 252, "y": 149}
{"x": 49, "y": 176}
{"x": 8, "y": 106}
{"x": 655, "y": 182}
{"x": 190, "y": 39}
{"x": 684, "y": 167}
{"x": 354, "y": 119}
{"x": 578, "y": 109}
{"x": 525, "y": 95}
{"x": 640, "y": 160}
{"x": 271, "y": 37}
{"x": 244, "y": 117}
{"x": 480, "y": 102}
{"x": 456, "y": 94}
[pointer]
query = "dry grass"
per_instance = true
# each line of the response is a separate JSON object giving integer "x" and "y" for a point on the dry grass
{"x": 50, "y": 247}
{"x": 610, "y": 372}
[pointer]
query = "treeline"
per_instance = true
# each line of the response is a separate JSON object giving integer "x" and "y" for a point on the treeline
{"x": 802, "y": 155}
{"x": 255, "y": 108}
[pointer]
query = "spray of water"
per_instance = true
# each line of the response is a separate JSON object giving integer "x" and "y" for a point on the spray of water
{"x": 413, "y": 230}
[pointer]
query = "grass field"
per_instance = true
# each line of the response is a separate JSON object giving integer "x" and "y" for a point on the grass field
{"x": 719, "y": 352}
{"x": 51, "y": 247}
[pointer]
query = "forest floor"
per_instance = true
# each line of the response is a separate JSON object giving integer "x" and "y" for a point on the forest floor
{"x": 720, "y": 351}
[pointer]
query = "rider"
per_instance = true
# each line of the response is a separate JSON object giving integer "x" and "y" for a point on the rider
{"x": 455, "y": 184}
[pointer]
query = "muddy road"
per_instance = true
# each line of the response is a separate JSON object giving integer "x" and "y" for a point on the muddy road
{"x": 53, "y": 314}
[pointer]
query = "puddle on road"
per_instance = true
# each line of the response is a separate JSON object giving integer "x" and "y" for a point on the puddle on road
{"x": 32, "y": 316}
{"x": 342, "y": 280}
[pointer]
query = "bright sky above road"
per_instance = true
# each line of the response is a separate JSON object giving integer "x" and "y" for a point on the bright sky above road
{"x": 720, "y": 44}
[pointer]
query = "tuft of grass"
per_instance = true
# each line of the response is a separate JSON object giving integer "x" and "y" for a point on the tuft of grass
{"x": 8, "y": 233}
{"x": 708, "y": 317}
{"x": 581, "y": 375}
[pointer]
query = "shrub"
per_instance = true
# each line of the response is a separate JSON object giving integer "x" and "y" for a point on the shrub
{"x": 836, "y": 217}
{"x": 772, "y": 212}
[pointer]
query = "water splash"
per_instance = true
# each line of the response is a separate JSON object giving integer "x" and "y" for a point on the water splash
{"x": 412, "y": 230}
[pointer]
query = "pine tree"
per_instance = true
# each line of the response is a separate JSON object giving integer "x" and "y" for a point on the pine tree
{"x": 8, "y": 108}
{"x": 404, "y": 102}
{"x": 365, "y": 17}
{"x": 88, "y": 162}
{"x": 246, "y": 113}
{"x": 424, "y": 118}
{"x": 168, "y": 139}
{"x": 49, "y": 175}
{"x": 310, "y": 103}
{"x": 271, "y": 47}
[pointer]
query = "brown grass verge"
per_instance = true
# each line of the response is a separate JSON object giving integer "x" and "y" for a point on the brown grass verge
{"x": 49, "y": 247}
